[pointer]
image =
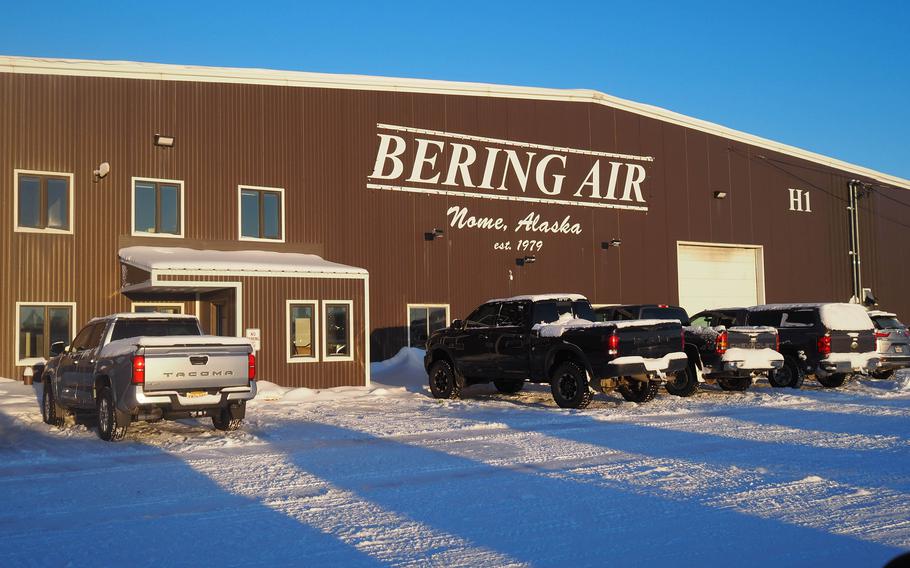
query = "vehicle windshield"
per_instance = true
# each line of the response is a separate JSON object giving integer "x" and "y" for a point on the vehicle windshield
{"x": 887, "y": 322}
{"x": 154, "y": 327}
{"x": 665, "y": 312}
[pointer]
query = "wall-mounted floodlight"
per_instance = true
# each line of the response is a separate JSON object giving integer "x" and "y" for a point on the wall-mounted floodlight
{"x": 103, "y": 170}
{"x": 525, "y": 260}
{"x": 611, "y": 243}
{"x": 433, "y": 235}
{"x": 720, "y": 195}
{"x": 164, "y": 141}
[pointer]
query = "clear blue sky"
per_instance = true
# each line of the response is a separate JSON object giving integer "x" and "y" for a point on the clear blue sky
{"x": 832, "y": 77}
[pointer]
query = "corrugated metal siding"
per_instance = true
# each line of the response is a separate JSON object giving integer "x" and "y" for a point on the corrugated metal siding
{"x": 319, "y": 144}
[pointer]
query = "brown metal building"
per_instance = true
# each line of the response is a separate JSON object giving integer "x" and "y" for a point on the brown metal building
{"x": 339, "y": 218}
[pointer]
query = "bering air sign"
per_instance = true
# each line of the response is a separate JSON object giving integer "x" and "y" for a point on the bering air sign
{"x": 445, "y": 163}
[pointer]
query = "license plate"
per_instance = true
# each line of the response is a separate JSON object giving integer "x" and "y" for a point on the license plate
{"x": 195, "y": 394}
{"x": 898, "y": 349}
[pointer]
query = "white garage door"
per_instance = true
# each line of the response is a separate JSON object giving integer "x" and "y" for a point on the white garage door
{"x": 714, "y": 276}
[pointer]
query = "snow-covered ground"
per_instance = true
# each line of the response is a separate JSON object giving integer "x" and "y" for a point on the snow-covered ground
{"x": 389, "y": 476}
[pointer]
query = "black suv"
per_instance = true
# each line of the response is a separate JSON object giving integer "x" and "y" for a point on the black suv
{"x": 553, "y": 339}
{"x": 830, "y": 341}
{"x": 719, "y": 350}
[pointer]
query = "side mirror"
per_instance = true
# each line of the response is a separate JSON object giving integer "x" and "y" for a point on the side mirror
{"x": 457, "y": 324}
{"x": 57, "y": 348}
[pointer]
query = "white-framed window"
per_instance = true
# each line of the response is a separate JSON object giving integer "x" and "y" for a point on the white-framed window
{"x": 158, "y": 307}
{"x": 302, "y": 328}
{"x": 39, "y": 325}
{"x": 43, "y": 202}
{"x": 423, "y": 320}
{"x": 337, "y": 330}
{"x": 158, "y": 207}
{"x": 260, "y": 213}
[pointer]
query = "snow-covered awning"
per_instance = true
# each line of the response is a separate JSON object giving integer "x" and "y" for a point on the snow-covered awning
{"x": 251, "y": 262}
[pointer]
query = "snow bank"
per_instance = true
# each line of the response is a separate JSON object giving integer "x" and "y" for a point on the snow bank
{"x": 405, "y": 369}
{"x": 557, "y": 328}
{"x": 753, "y": 358}
{"x": 845, "y": 317}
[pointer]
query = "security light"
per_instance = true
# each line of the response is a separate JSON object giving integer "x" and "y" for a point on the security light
{"x": 433, "y": 235}
{"x": 720, "y": 195}
{"x": 525, "y": 260}
{"x": 164, "y": 141}
{"x": 611, "y": 243}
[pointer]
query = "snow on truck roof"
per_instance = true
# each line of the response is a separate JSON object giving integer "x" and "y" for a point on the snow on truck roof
{"x": 142, "y": 315}
{"x": 881, "y": 314}
{"x": 202, "y": 261}
{"x": 541, "y": 297}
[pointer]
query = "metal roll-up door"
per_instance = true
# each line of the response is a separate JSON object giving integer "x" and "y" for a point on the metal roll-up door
{"x": 719, "y": 276}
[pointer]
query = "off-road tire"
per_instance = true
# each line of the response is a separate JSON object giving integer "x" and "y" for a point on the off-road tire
{"x": 112, "y": 424}
{"x": 790, "y": 375}
{"x": 684, "y": 383}
{"x": 740, "y": 384}
{"x": 443, "y": 383}
{"x": 833, "y": 380}
{"x": 883, "y": 375}
{"x": 222, "y": 420}
{"x": 639, "y": 391}
{"x": 509, "y": 386}
{"x": 569, "y": 385}
{"x": 49, "y": 406}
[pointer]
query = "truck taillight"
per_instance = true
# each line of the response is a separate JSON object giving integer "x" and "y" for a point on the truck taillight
{"x": 881, "y": 334}
{"x": 252, "y": 367}
{"x": 824, "y": 345}
{"x": 682, "y": 339}
{"x": 720, "y": 344}
{"x": 613, "y": 344}
{"x": 139, "y": 370}
{"x": 777, "y": 342}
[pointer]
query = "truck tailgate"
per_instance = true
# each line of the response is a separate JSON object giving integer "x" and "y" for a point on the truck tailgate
{"x": 852, "y": 341}
{"x": 647, "y": 339}
{"x": 746, "y": 337}
{"x": 195, "y": 367}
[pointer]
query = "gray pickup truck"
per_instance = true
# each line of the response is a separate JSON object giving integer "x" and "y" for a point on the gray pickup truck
{"x": 147, "y": 367}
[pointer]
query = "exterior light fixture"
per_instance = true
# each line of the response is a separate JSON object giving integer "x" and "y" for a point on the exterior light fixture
{"x": 611, "y": 243}
{"x": 525, "y": 260}
{"x": 433, "y": 235}
{"x": 164, "y": 141}
{"x": 103, "y": 170}
{"x": 720, "y": 195}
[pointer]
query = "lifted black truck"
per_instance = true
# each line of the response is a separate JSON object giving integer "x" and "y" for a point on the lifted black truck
{"x": 720, "y": 350}
{"x": 554, "y": 339}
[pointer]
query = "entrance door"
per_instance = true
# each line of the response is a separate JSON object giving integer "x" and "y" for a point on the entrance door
{"x": 217, "y": 312}
{"x": 719, "y": 276}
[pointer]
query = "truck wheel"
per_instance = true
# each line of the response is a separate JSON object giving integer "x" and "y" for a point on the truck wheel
{"x": 223, "y": 420}
{"x": 49, "y": 406}
{"x": 509, "y": 386}
{"x": 832, "y": 381}
{"x": 442, "y": 380}
{"x": 639, "y": 391}
{"x": 734, "y": 384}
{"x": 684, "y": 383}
{"x": 112, "y": 423}
{"x": 790, "y": 375}
{"x": 569, "y": 385}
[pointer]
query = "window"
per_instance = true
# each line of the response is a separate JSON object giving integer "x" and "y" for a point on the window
{"x": 513, "y": 314}
{"x": 89, "y": 337}
{"x": 303, "y": 331}
{"x": 43, "y": 202}
{"x": 336, "y": 343}
{"x": 40, "y": 326}
{"x": 157, "y": 207}
{"x": 158, "y": 307}
{"x": 261, "y": 213}
{"x": 484, "y": 316}
{"x": 423, "y": 320}
{"x": 153, "y": 327}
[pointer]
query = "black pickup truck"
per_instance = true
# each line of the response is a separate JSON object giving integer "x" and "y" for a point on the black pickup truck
{"x": 720, "y": 350}
{"x": 830, "y": 341}
{"x": 553, "y": 339}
